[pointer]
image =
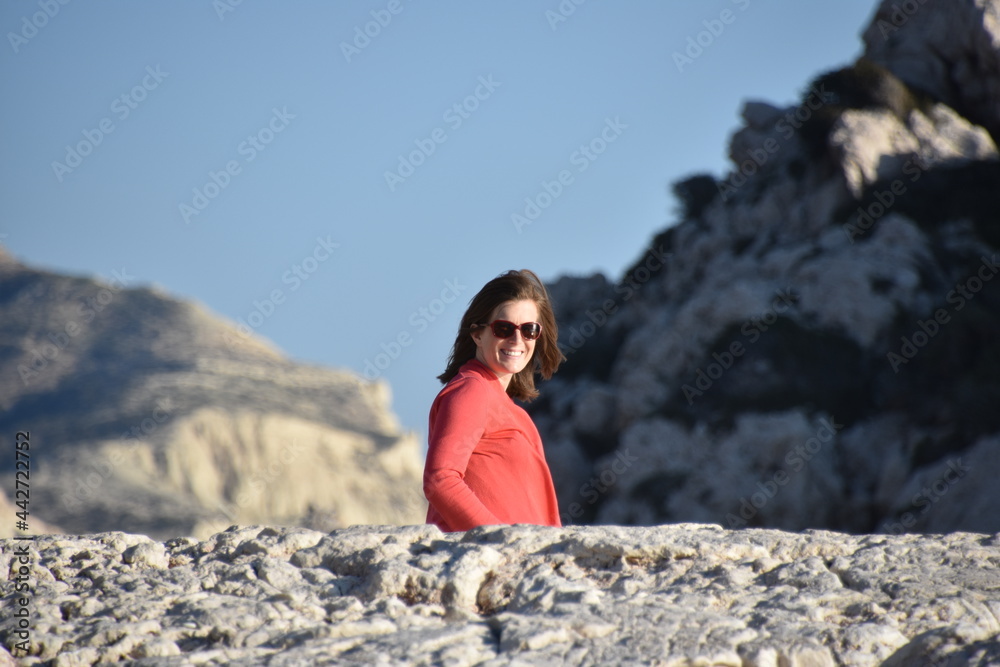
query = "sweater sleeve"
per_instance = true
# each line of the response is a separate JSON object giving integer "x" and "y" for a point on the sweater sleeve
{"x": 458, "y": 421}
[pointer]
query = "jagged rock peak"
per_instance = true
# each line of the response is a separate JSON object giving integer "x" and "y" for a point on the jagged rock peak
{"x": 950, "y": 50}
{"x": 812, "y": 344}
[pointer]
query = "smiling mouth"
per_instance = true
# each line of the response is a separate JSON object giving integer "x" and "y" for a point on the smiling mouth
{"x": 512, "y": 353}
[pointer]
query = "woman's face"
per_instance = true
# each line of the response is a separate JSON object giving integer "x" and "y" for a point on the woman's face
{"x": 507, "y": 356}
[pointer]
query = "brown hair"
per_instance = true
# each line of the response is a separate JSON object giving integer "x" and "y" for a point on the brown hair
{"x": 510, "y": 286}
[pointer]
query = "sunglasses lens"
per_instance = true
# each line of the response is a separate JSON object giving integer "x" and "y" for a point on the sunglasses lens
{"x": 503, "y": 329}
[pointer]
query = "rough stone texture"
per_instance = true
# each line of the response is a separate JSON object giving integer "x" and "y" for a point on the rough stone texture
{"x": 153, "y": 415}
{"x": 946, "y": 48}
{"x": 875, "y": 146}
{"x": 684, "y": 594}
{"x": 813, "y": 343}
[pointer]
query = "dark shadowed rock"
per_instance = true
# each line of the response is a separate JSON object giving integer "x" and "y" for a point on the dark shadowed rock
{"x": 818, "y": 348}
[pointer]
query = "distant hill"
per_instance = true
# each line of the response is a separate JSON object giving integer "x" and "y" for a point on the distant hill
{"x": 150, "y": 414}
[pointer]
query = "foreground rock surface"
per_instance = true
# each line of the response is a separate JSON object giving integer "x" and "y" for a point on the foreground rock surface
{"x": 687, "y": 594}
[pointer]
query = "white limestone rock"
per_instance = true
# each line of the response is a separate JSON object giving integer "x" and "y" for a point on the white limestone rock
{"x": 162, "y": 418}
{"x": 875, "y": 145}
{"x": 671, "y": 594}
{"x": 949, "y": 49}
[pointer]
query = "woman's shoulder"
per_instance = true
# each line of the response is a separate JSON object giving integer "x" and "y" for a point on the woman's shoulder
{"x": 473, "y": 376}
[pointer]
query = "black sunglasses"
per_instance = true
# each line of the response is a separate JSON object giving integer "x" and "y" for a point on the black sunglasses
{"x": 505, "y": 329}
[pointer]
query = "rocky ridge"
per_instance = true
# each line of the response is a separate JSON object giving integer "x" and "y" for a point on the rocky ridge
{"x": 813, "y": 344}
{"x": 680, "y": 594}
{"x": 150, "y": 414}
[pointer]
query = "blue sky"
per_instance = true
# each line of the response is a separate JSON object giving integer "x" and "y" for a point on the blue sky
{"x": 343, "y": 176}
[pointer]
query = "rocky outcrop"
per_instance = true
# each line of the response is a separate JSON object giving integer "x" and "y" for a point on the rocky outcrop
{"x": 951, "y": 50}
{"x": 813, "y": 344}
{"x": 682, "y": 594}
{"x": 149, "y": 414}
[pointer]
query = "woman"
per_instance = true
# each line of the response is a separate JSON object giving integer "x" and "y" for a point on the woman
{"x": 485, "y": 463}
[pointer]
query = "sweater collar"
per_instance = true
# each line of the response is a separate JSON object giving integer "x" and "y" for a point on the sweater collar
{"x": 482, "y": 369}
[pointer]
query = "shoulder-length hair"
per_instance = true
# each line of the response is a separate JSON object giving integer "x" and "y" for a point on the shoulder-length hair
{"x": 510, "y": 286}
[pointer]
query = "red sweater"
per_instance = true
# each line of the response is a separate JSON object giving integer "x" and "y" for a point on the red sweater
{"x": 485, "y": 463}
